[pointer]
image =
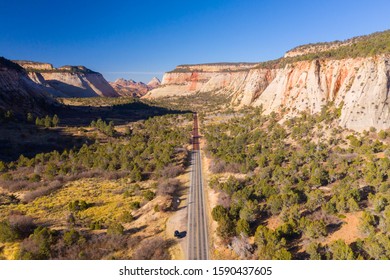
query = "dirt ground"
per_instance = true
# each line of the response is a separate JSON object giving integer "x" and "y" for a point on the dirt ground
{"x": 273, "y": 222}
{"x": 178, "y": 221}
{"x": 349, "y": 231}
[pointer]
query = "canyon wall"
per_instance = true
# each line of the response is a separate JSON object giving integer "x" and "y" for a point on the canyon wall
{"x": 360, "y": 85}
{"x": 68, "y": 81}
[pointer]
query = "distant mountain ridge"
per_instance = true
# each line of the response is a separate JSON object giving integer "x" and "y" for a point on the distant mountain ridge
{"x": 134, "y": 89}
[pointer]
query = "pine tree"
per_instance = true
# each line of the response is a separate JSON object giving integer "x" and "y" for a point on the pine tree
{"x": 47, "y": 122}
{"x": 55, "y": 120}
{"x": 30, "y": 117}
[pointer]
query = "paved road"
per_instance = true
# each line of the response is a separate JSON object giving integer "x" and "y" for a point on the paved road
{"x": 197, "y": 224}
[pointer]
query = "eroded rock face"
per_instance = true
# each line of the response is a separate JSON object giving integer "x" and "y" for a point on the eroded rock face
{"x": 366, "y": 104}
{"x": 361, "y": 85}
{"x": 68, "y": 81}
{"x": 153, "y": 83}
{"x": 78, "y": 84}
{"x": 31, "y": 65}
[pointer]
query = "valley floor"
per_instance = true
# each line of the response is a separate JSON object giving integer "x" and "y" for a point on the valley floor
{"x": 115, "y": 186}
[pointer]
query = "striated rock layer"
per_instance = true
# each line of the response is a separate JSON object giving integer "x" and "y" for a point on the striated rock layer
{"x": 68, "y": 81}
{"x": 360, "y": 85}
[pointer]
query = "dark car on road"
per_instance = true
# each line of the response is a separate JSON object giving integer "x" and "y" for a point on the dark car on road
{"x": 179, "y": 234}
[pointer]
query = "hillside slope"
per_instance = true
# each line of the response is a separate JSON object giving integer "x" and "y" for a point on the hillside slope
{"x": 19, "y": 93}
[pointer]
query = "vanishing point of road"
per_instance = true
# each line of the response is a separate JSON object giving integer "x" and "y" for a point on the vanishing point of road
{"x": 197, "y": 223}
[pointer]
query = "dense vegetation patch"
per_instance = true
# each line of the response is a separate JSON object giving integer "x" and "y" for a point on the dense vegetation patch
{"x": 74, "y": 201}
{"x": 364, "y": 46}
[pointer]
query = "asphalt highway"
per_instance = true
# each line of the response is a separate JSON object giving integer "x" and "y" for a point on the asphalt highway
{"x": 197, "y": 223}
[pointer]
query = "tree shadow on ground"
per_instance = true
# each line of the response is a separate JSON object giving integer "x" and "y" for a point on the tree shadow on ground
{"x": 120, "y": 114}
{"x": 331, "y": 228}
{"x": 135, "y": 230}
{"x": 20, "y": 138}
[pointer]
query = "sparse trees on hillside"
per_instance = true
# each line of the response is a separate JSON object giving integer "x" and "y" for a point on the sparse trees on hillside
{"x": 104, "y": 127}
{"x": 47, "y": 121}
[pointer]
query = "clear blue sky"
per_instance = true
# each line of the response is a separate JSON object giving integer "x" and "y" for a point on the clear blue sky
{"x": 141, "y": 39}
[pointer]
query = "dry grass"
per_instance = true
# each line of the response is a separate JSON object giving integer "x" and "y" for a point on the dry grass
{"x": 108, "y": 204}
{"x": 9, "y": 251}
{"x": 106, "y": 197}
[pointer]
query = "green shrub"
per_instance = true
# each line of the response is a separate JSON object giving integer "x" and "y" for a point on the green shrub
{"x": 35, "y": 178}
{"x": 149, "y": 195}
{"x": 71, "y": 237}
{"x": 126, "y": 217}
{"x": 3, "y": 166}
{"x": 243, "y": 227}
{"x": 78, "y": 205}
{"x": 37, "y": 246}
{"x": 96, "y": 225}
{"x": 134, "y": 205}
{"x": 218, "y": 213}
{"x": 115, "y": 229}
{"x": 341, "y": 251}
{"x": 8, "y": 233}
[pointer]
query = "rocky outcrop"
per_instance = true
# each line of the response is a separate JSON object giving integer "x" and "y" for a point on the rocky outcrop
{"x": 153, "y": 83}
{"x": 232, "y": 80}
{"x": 68, "y": 81}
{"x": 134, "y": 89}
{"x": 360, "y": 85}
{"x": 31, "y": 65}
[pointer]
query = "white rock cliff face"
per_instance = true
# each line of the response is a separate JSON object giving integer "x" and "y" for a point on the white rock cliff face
{"x": 361, "y": 85}
{"x": 79, "y": 84}
{"x": 68, "y": 81}
{"x": 367, "y": 101}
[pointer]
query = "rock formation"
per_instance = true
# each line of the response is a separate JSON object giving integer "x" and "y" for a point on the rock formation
{"x": 302, "y": 81}
{"x": 153, "y": 83}
{"x": 134, "y": 89}
{"x": 68, "y": 81}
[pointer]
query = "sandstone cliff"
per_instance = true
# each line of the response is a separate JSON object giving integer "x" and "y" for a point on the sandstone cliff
{"x": 304, "y": 81}
{"x": 68, "y": 81}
